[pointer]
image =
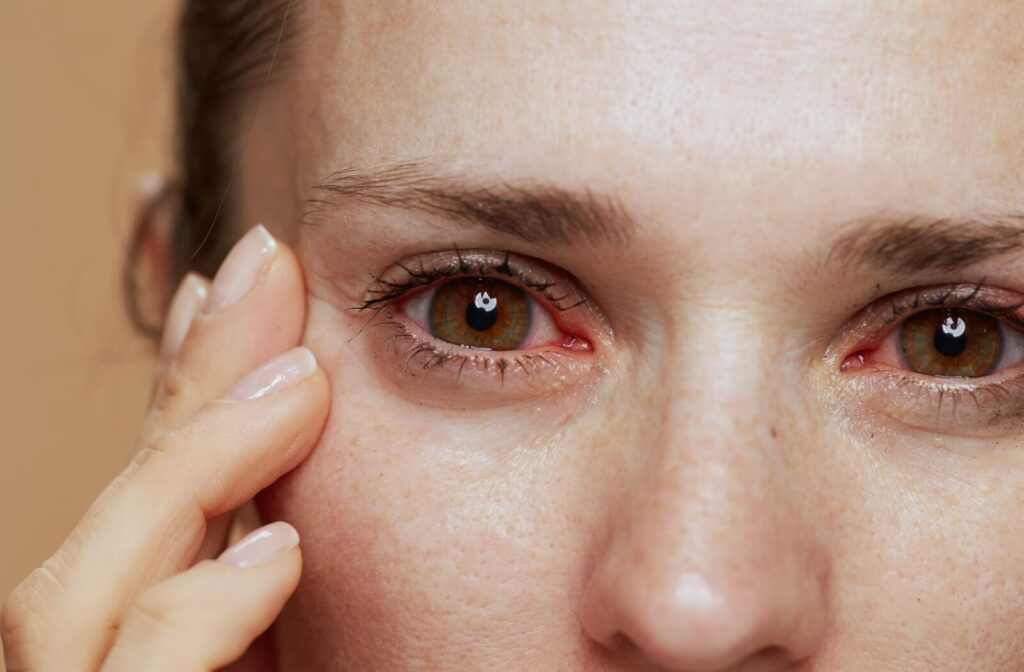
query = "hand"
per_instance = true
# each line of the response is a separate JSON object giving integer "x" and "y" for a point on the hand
{"x": 236, "y": 406}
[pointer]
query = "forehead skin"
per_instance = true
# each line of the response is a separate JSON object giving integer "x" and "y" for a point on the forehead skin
{"x": 740, "y": 135}
{"x": 872, "y": 104}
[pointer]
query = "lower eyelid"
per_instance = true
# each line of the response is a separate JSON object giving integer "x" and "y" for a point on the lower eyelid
{"x": 433, "y": 372}
{"x": 943, "y": 405}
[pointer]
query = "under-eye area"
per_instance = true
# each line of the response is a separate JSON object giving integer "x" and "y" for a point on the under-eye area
{"x": 496, "y": 324}
{"x": 948, "y": 358}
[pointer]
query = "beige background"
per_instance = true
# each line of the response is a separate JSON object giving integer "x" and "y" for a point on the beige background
{"x": 84, "y": 109}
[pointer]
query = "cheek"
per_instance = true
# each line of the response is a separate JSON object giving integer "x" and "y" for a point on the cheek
{"x": 936, "y": 555}
{"x": 417, "y": 524}
{"x": 977, "y": 555}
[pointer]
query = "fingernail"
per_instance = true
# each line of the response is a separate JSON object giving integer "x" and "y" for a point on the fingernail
{"x": 261, "y": 546}
{"x": 187, "y": 301}
{"x": 241, "y": 269}
{"x": 278, "y": 374}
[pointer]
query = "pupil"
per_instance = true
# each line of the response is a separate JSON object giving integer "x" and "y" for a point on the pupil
{"x": 951, "y": 337}
{"x": 483, "y": 312}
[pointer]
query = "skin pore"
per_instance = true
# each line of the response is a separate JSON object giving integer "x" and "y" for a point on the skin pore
{"x": 707, "y": 487}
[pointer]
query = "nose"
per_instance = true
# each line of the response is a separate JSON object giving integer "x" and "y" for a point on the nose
{"x": 710, "y": 566}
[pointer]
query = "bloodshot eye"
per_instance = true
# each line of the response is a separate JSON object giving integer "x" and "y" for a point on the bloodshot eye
{"x": 482, "y": 313}
{"x": 945, "y": 343}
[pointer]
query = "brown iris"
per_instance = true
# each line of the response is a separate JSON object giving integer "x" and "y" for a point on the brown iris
{"x": 951, "y": 343}
{"x": 480, "y": 313}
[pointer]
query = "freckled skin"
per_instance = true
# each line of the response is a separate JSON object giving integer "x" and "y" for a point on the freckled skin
{"x": 717, "y": 500}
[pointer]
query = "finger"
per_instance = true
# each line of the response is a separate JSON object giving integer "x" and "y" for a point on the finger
{"x": 253, "y": 310}
{"x": 149, "y": 523}
{"x": 226, "y": 529}
{"x": 250, "y": 275}
{"x": 247, "y": 519}
{"x": 207, "y": 616}
{"x": 188, "y": 301}
{"x": 215, "y": 536}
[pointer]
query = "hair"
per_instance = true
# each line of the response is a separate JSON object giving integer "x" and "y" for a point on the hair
{"x": 225, "y": 51}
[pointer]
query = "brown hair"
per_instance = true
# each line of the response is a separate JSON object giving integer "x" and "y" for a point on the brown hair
{"x": 226, "y": 50}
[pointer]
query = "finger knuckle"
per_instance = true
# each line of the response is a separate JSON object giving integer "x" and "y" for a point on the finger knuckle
{"x": 172, "y": 443}
{"x": 161, "y": 450}
{"x": 153, "y": 617}
{"x": 26, "y": 617}
{"x": 176, "y": 386}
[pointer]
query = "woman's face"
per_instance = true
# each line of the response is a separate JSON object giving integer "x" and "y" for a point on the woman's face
{"x": 755, "y": 393}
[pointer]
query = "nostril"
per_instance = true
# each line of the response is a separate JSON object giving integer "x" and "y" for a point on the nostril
{"x": 689, "y": 624}
{"x": 685, "y": 656}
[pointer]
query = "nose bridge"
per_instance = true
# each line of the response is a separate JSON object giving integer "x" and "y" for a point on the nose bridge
{"x": 717, "y": 453}
{"x": 710, "y": 561}
{"x": 716, "y": 498}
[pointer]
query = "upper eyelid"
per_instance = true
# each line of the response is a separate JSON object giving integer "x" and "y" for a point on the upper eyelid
{"x": 971, "y": 296}
{"x": 385, "y": 291}
{"x": 877, "y": 320}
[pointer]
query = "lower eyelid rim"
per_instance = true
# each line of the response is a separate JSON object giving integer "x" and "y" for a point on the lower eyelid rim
{"x": 934, "y": 404}
{"x": 881, "y": 375}
{"x": 908, "y": 376}
{"x": 500, "y": 363}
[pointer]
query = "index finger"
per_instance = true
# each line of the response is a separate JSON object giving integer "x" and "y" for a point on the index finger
{"x": 149, "y": 522}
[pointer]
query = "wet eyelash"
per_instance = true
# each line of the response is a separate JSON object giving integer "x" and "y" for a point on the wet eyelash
{"x": 955, "y": 296}
{"x": 949, "y": 397}
{"x": 384, "y": 293}
{"x": 430, "y": 356}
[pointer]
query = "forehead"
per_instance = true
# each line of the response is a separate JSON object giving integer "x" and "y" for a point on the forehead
{"x": 911, "y": 104}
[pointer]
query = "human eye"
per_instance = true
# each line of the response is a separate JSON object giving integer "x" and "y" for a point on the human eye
{"x": 947, "y": 358}
{"x": 481, "y": 327}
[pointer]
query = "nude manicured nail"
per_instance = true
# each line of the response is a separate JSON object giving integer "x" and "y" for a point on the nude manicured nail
{"x": 261, "y": 546}
{"x": 278, "y": 374}
{"x": 187, "y": 302}
{"x": 241, "y": 269}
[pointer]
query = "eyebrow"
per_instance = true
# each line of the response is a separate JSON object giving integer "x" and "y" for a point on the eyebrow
{"x": 543, "y": 215}
{"x": 539, "y": 215}
{"x": 916, "y": 244}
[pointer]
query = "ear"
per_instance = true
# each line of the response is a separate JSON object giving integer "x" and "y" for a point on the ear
{"x": 151, "y": 269}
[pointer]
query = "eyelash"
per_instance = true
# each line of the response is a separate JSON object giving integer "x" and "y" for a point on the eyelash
{"x": 436, "y": 357}
{"x": 914, "y": 399}
{"x": 940, "y": 298}
{"x": 386, "y": 295}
